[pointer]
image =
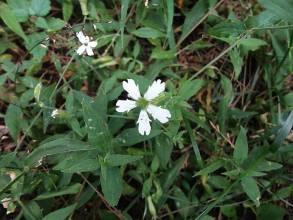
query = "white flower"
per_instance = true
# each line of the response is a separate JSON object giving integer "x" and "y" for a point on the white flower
{"x": 55, "y": 113}
{"x": 86, "y": 44}
{"x": 12, "y": 175}
{"x": 5, "y": 202}
{"x": 145, "y": 102}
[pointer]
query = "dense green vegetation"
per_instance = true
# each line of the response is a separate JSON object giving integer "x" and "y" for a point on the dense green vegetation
{"x": 147, "y": 109}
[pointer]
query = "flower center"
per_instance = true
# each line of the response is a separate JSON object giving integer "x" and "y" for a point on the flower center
{"x": 142, "y": 103}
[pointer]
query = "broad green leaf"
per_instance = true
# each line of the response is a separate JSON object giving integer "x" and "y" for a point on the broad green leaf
{"x": 58, "y": 146}
{"x": 163, "y": 148}
{"x": 227, "y": 29}
{"x": 270, "y": 211}
{"x": 241, "y": 147}
{"x": 111, "y": 182}
{"x": 237, "y": 61}
{"x": 20, "y": 9}
{"x": 60, "y": 214}
{"x": 250, "y": 187}
{"x": 120, "y": 160}
{"x": 266, "y": 166}
{"x": 147, "y": 32}
{"x": 73, "y": 189}
{"x": 13, "y": 119}
{"x": 50, "y": 24}
{"x": 96, "y": 125}
{"x": 10, "y": 20}
{"x": 67, "y": 9}
{"x": 129, "y": 137}
{"x": 77, "y": 165}
{"x": 32, "y": 211}
{"x": 83, "y": 6}
{"x": 188, "y": 88}
{"x": 251, "y": 44}
{"x": 33, "y": 45}
{"x": 40, "y": 7}
{"x": 281, "y": 8}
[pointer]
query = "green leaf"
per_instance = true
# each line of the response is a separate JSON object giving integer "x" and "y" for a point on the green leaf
{"x": 60, "y": 214}
{"x": 20, "y": 9}
{"x": 10, "y": 20}
{"x": 241, "y": 147}
{"x": 161, "y": 54}
{"x": 281, "y": 8}
{"x": 250, "y": 187}
{"x": 33, "y": 45}
{"x": 67, "y": 190}
{"x": 129, "y": 137}
{"x": 270, "y": 211}
{"x": 237, "y": 61}
{"x": 120, "y": 160}
{"x": 193, "y": 17}
{"x": 215, "y": 165}
{"x": 163, "y": 148}
{"x": 189, "y": 88}
{"x": 77, "y": 164}
{"x": 111, "y": 182}
{"x": 227, "y": 29}
{"x": 51, "y": 24}
{"x": 83, "y": 6}
{"x": 40, "y": 7}
{"x": 13, "y": 119}
{"x": 96, "y": 125}
{"x": 67, "y": 9}
{"x": 251, "y": 44}
{"x": 58, "y": 146}
{"x": 147, "y": 32}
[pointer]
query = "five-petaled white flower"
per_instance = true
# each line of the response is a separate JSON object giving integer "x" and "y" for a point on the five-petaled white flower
{"x": 145, "y": 103}
{"x": 86, "y": 44}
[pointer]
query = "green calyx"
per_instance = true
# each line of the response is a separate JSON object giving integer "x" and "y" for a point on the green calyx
{"x": 142, "y": 103}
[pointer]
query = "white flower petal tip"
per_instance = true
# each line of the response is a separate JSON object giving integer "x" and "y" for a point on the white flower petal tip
{"x": 158, "y": 113}
{"x": 93, "y": 44}
{"x": 155, "y": 90}
{"x": 55, "y": 113}
{"x": 144, "y": 127}
{"x": 81, "y": 37}
{"x": 125, "y": 105}
{"x": 81, "y": 50}
{"x": 89, "y": 51}
{"x": 132, "y": 89}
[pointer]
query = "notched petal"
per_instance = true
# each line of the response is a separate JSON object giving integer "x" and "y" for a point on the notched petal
{"x": 144, "y": 127}
{"x": 158, "y": 113}
{"x": 125, "y": 105}
{"x": 155, "y": 90}
{"x": 132, "y": 89}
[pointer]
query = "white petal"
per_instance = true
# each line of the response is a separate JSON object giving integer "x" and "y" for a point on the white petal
{"x": 154, "y": 90}
{"x": 143, "y": 122}
{"x": 81, "y": 50}
{"x": 81, "y": 37}
{"x": 161, "y": 114}
{"x": 93, "y": 43}
{"x": 132, "y": 89}
{"x": 125, "y": 105}
{"x": 89, "y": 51}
